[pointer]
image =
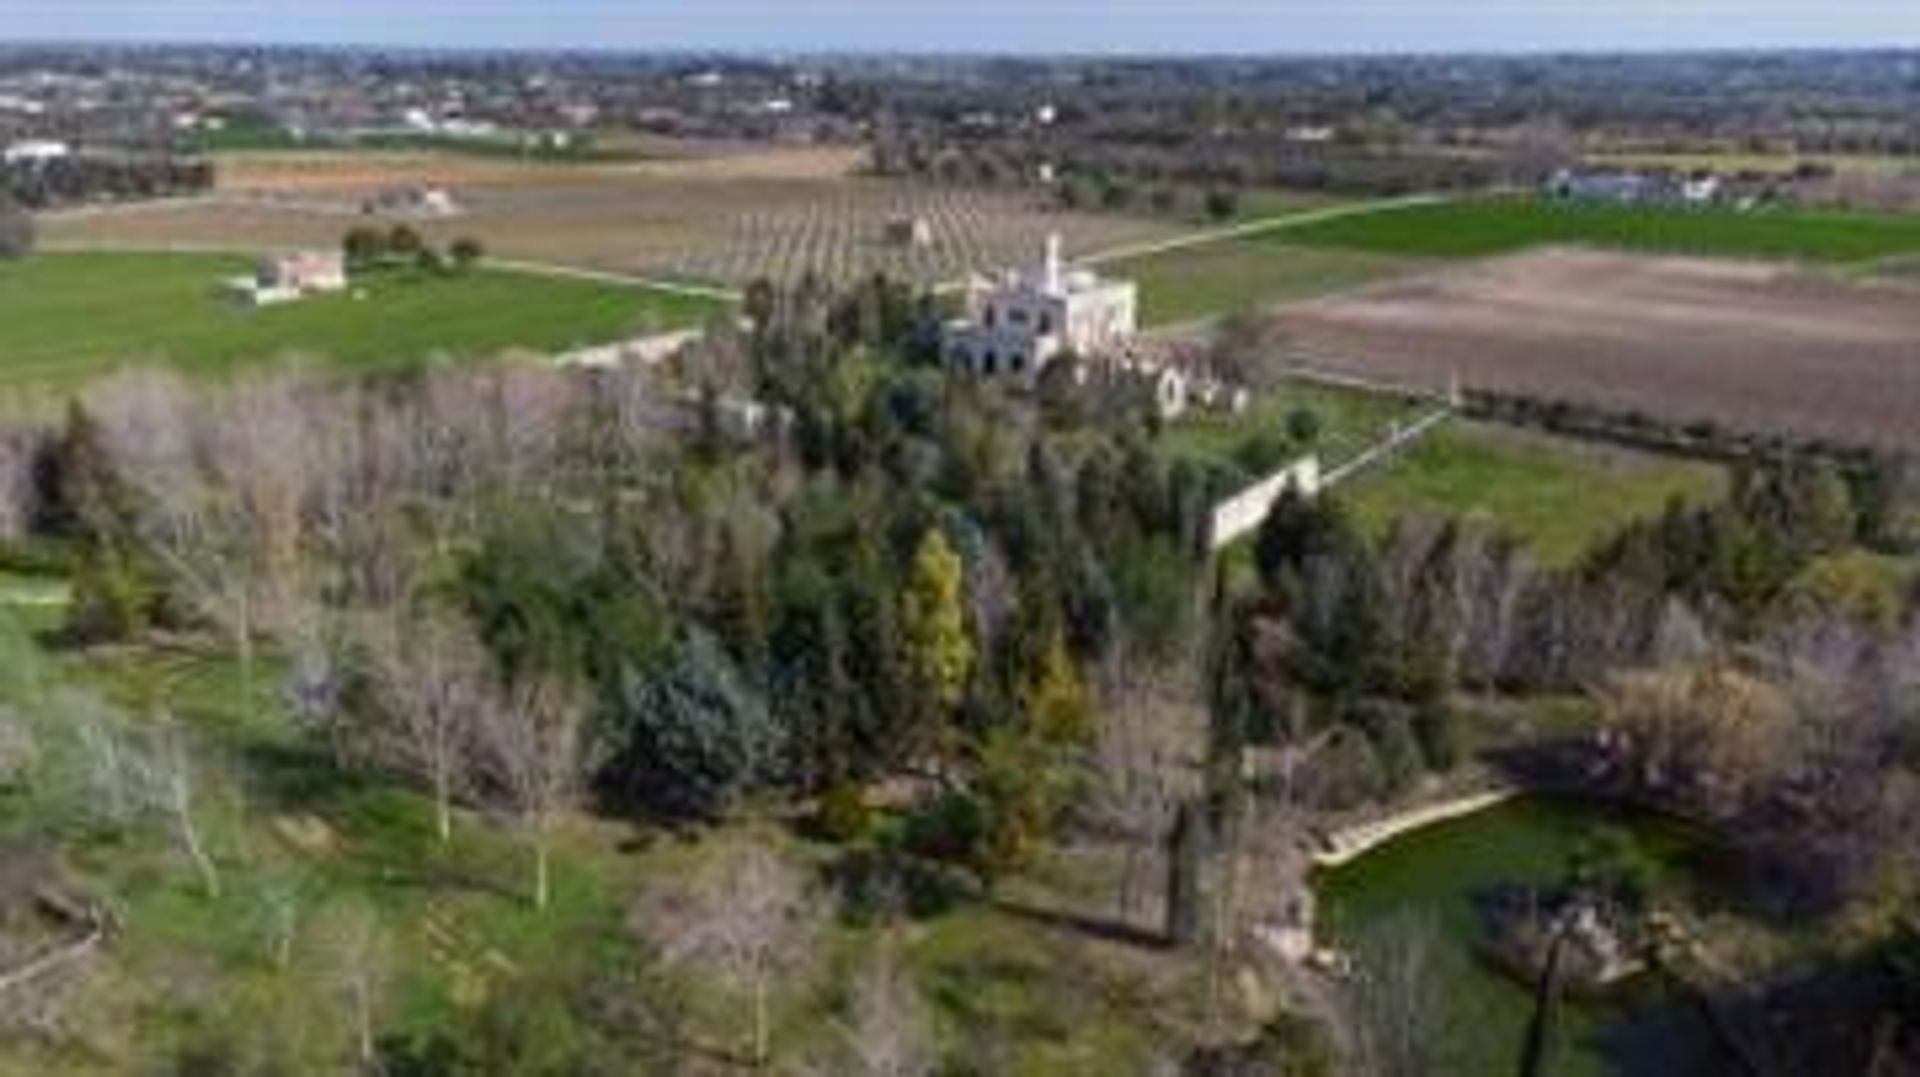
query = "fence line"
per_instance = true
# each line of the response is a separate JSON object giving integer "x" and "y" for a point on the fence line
{"x": 1241, "y": 514}
{"x": 1386, "y": 447}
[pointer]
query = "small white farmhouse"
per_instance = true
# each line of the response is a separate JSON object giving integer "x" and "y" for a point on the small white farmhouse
{"x": 1016, "y": 325}
{"x": 284, "y": 278}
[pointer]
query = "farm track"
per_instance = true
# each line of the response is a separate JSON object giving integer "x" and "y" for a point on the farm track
{"x": 608, "y": 276}
{"x": 1262, "y": 227}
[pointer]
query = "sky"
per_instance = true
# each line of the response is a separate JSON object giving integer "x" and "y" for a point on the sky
{"x": 1096, "y": 26}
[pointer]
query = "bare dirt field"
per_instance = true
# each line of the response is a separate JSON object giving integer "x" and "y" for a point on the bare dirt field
{"x": 1756, "y": 346}
{"x": 722, "y": 219}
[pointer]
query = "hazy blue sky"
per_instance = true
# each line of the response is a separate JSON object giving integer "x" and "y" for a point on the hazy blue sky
{"x": 989, "y": 25}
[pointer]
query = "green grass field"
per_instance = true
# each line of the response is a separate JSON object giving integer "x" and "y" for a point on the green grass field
{"x": 1259, "y": 440}
{"x": 1490, "y": 226}
{"x": 1772, "y": 163}
{"x": 65, "y": 317}
{"x": 1557, "y": 496}
{"x": 1242, "y": 274}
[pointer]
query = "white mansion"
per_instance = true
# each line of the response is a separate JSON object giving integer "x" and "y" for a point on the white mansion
{"x": 1017, "y": 324}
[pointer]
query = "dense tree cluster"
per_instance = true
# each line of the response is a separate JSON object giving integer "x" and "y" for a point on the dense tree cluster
{"x": 403, "y": 247}
{"x": 81, "y": 178}
{"x": 16, "y": 229}
{"x": 492, "y": 574}
{"x": 1184, "y": 173}
{"x": 1742, "y": 675}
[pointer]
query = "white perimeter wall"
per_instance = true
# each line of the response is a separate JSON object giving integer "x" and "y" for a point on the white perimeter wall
{"x": 1241, "y": 514}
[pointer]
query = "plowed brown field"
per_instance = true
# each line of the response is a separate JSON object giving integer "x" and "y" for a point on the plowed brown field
{"x": 1755, "y": 346}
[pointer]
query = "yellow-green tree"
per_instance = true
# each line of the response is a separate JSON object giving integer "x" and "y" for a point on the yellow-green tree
{"x": 1054, "y": 699}
{"x": 939, "y": 651}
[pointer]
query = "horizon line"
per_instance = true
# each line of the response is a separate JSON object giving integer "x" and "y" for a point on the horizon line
{"x": 912, "y": 52}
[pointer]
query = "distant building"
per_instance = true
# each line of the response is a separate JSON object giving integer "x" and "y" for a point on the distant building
{"x": 1622, "y": 187}
{"x": 414, "y": 201}
{"x": 908, "y": 230}
{"x": 1017, "y": 324}
{"x": 1701, "y": 190}
{"x": 285, "y": 278}
{"x": 35, "y": 151}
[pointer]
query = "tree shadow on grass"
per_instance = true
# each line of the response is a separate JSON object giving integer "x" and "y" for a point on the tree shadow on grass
{"x": 1668, "y": 1035}
{"x": 385, "y": 832}
{"x": 1082, "y": 924}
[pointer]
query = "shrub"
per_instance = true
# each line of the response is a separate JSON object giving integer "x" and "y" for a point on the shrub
{"x": 692, "y": 738}
{"x": 466, "y": 253}
{"x": 1303, "y": 426}
{"x": 843, "y": 816}
{"x": 1265, "y": 451}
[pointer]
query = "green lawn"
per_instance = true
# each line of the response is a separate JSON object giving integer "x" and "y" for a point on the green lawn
{"x": 1242, "y": 274}
{"x": 1489, "y": 226}
{"x": 1258, "y": 439}
{"x": 68, "y": 316}
{"x": 1556, "y": 495}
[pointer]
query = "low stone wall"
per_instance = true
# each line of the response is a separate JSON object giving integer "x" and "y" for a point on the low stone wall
{"x": 643, "y": 350}
{"x": 1351, "y": 843}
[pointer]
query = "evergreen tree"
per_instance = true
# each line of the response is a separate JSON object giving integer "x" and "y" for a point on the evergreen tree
{"x": 693, "y": 737}
{"x": 1054, "y": 700}
{"x": 939, "y": 650}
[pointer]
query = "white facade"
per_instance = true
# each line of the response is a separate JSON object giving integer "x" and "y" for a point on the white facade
{"x": 1241, "y": 514}
{"x": 286, "y": 278}
{"x": 1018, "y": 324}
{"x": 36, "y": 151}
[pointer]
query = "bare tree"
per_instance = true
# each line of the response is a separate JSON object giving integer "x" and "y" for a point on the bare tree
{"x": 356, "y": 951}
{"x": 19, "y": 497}
{"x": 1144, "y": 759}
{"x": 531, "y": 741}
{"x": 1707, "y": 731}
{"x": 1395, "y": 1002}
{"x": 165, "y": 782}
{"x": 277, "y": 909}
{"x": 191, "y": 522}
{"x": 747, "y": 916}
{"x": 888, "y": 1032}
{"x": 434, "y": 681}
